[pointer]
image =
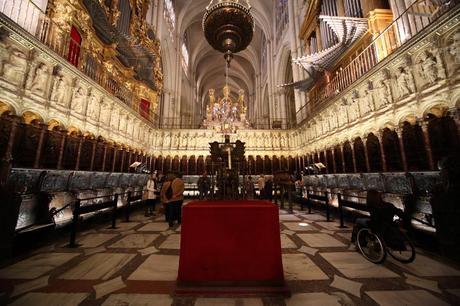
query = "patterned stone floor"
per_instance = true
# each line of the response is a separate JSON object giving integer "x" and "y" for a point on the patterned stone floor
{"x": 136, "y": 264}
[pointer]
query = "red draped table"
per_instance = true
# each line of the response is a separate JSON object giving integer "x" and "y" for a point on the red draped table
{"x": 230, "y": 247}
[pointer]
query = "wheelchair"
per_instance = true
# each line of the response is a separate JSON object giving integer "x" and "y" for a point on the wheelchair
{"x": 374, "y": 244}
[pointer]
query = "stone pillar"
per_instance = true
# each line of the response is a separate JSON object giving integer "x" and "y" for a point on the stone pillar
{"x": 382, "y": 151}
{"x": 114, "y": 161}
{"x": 326, "y": 161}
{"x": 93, "y": 155}
{"x": 353, "y": 156}
{"x": 80, "y": 142}
{"x": 399, "y": 131}
{"x": 61, "y": 149}
{"x": 7, "y": 158}
{"x": 455, "y": 114}
{"x": 123, "y": 152}
{"x": 104, "y": 157}
{"x": 366, "y": 154}
{"x": 343, "y": 158}
{"x": 41, "y": 138}
{"x": 130, "y": 160}
{"x": 427, "y": 144}
{"x": 334, "y": 166}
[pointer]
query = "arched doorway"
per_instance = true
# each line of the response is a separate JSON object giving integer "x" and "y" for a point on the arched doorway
{"x": 374, "y": 154}
{"x": 414, "y": 147}
{"x": 360, "y": 156}
{"x": 348, "y": 156}
{"x": 392, "y": 150}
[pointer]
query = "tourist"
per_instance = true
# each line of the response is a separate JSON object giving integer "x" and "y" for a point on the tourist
{"x": 172, "y": 197}
{"x": 249, "y": 188}
{"x": 268, "y": 188}
{"x": 204, "y": 185}
{"x": 151, "y": 189}
{"x": 261, "y": 185}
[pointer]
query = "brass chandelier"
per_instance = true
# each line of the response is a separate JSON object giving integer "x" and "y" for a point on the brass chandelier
{"x": 228, "y": 26}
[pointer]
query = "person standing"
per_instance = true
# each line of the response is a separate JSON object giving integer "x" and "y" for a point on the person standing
{"x": 172, "y": 197}
{"x": 151, "y": 196}
{"x": 268, "y": 189}
{"x": 261, "y": 185}
{"x": 204, "y": 185}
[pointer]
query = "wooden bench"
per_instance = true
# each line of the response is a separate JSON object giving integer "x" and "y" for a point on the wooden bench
{"x": 351, "y": 204}
{"x": 80, "y": 209}
{"x": 320, "y": 198}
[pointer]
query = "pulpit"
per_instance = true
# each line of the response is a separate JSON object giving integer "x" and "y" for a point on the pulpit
{"x": 230, "y": 247}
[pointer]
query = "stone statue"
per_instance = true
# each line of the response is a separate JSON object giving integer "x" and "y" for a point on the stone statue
{"x": 405, "y": 82}
{"x": 428, "y": 67}
{"x": 79, "y": 99}
{"x": 114, "y": 120}
{"x": 123, "y": 122}
{"x": 60, "y": 89}
{"x": 93, "y": 106}
{"x": 454, "y": 48}
{"x": 105, "y": 113}
{"x": 39, "y": 82}
{"x": 382, "y": 94}
{"x": 15, "y": 67}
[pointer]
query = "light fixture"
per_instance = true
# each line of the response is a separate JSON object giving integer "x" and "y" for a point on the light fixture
{"x": 228, "y": 26}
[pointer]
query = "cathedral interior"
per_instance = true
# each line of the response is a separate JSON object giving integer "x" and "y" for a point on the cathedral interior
{"x": 342, "y": 97}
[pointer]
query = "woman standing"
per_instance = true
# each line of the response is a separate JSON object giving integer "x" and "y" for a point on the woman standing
{"x": 151, "y": 196}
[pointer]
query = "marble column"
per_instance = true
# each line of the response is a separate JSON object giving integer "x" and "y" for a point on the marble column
{"x": 382, "y": 151}
{"x": 399, "y": 131}
{"x": 334, "y": 166}
{"x": 61, "y": 148}
{"x": 93, "y": 154}
{"x": 80, "y": 143}
{"x": 366, "y": 154}
{"x": 41, "y": 138}
{"x": 7, "y": 158}
{"x": 353, "y": 156}
{"x": 427, "y": 144}
{"x": 344, "y": 168}
{"x": 104, "y": 157}
{"x": 114, "y": 161}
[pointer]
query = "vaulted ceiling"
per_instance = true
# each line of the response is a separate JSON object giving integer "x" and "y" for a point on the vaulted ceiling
{"x": 208, "y": 65}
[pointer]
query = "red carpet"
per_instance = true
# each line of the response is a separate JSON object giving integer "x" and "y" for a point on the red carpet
{"x": 230, "y": 242}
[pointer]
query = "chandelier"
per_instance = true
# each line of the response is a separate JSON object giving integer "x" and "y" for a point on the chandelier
{"x": 228, "y": 26}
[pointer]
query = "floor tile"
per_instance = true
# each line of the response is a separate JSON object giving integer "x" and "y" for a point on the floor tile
{"x": 424, "y": 266}
{"x": 94, "y": 240}
{"x": 300, "y": 226}
{"x": 228, "y": 302}
{"x": 98, "y": 266}
{"x": 353, "y": 265}
{"x": 134, "y": 241}
{"x": 422, "y": 283}
{"x": 30, "y": 285}
{"x": 122, "y": 226}
{"x": 313, "y": 299}
{"x": 347, "y": 285}
{"x": 320, "y": 240}
{"x": 154, "y": 227}
{"x": 50, "y": 299}
{"x": 102, "y": 289}
{"x": 157, "y": 268}
{"x": 406, "y": 298}
{"x": 313, "y": 217}
{"x": 300, "y": 267}
{"x": 36, "y": 266}
{"x": 172, "y": 242}
{"x": 125, "y": 299}
{"x": 331, "y": 226}
{"x": 289, "y": 218}
{"x": 287, "y": 243}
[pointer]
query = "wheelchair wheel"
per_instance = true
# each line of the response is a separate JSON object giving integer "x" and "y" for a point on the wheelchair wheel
{"x": 404, "y": 254}
{"x": 370, "y": 245}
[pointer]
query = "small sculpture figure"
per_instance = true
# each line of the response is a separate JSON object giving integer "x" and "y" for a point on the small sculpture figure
{"x": 60, "y": 89}
{"x": 428, "y": 67}
{"x": 40, "y": 81}
{"x": 79, "y": 99}
{"x": 405, "y": 82}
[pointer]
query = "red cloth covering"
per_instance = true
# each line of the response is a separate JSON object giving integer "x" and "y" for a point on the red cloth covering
{"x": 144, "y": 108}
{"x": 74, "y": 46}
{"x": 230, "y": 241}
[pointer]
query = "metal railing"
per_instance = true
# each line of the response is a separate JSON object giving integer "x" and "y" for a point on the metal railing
{"x": 32, "y": 19}
{"x": 406, "y": 26}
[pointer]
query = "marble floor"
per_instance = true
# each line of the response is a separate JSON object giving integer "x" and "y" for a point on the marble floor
{"x": 136, "y": 264}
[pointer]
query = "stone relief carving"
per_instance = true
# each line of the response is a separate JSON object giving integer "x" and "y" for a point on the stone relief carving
{"x": 430, "y": 67}
{"x": 115, "y": 118}
{"x": 79, "y": 97}
{"x": 404, "y": 82}
{"x": 382, "y": 93}
{"x": 105, "y": 113}
{"x": 14, "y": 68}
{"x": 39, "y": 78}
{"x": 454, "y": 48}
{"x": 61, "y": 86}
{"x": 94, "y": 105}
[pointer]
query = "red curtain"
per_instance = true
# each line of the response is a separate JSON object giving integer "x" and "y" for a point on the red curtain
{"x": 74, "y": 46}
{"x": 144, "y": 108}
